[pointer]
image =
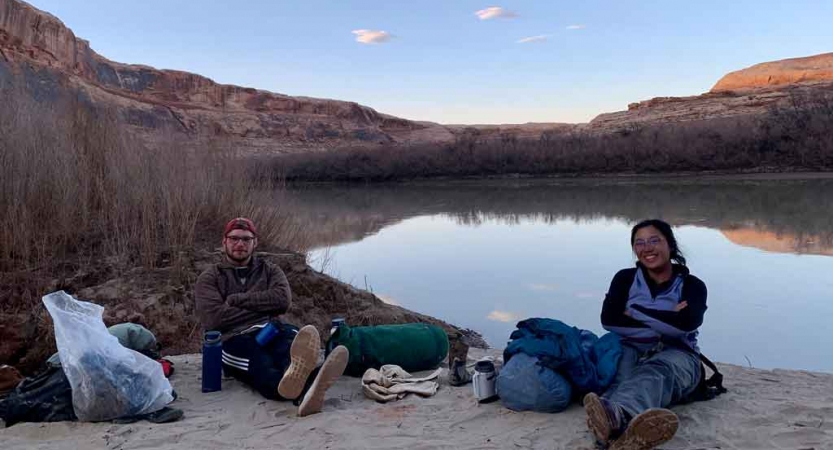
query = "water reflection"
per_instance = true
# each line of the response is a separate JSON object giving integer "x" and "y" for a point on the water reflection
{"x": 484, "y": 255}
{"x": 780, "y": 215}
{"x": 780, "y": 242}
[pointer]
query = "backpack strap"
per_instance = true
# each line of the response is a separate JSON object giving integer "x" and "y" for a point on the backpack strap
{"x": 713, "y": 386}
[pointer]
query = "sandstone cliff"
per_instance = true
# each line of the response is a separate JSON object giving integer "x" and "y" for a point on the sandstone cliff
{"x": 818, "y": 68}
{"x": 38, "y": 50}
{"x": 743, "y": 93}
{"x": 709, "y": 106}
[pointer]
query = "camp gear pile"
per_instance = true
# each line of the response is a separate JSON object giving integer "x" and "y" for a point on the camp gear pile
{"x": 108, "y": 381}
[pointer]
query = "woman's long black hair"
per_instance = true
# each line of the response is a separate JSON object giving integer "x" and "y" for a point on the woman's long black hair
{"x": 663, "y": 227}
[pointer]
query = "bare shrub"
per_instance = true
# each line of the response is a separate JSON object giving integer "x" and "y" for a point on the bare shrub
{"x": 75, "y": 186}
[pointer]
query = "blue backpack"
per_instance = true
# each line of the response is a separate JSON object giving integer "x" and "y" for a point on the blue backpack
{"x": 526, "y": 385}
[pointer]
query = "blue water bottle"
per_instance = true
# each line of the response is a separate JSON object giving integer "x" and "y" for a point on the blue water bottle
{"x": 212, "y": 361}
{"x": 266, "y": 334}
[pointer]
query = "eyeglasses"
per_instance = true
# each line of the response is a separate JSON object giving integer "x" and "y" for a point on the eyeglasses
{"x": 238, "y": 239}
{"x": 653, "y": 241}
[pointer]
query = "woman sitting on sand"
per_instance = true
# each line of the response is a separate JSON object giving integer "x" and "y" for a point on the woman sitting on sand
{"x": 656, "y": 308}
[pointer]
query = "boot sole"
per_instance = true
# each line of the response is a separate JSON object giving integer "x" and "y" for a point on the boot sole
{"x": 597, "y": 419}
{"x": 303, "y": 354}
{"x": 332, "y": 369}
{"x": 647, "y": 430}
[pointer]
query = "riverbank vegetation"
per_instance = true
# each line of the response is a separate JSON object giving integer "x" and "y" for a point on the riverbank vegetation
{"x": 77, "y": 192}
{"x": 796, "y": 137}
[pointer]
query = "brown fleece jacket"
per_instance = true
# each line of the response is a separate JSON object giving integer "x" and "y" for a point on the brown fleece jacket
{"x": 227, "y": 305}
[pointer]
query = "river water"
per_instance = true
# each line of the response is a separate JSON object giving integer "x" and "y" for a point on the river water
{"x": 485, "y": 254}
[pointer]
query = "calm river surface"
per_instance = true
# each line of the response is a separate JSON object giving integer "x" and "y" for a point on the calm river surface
{"x": 486, "y": 254}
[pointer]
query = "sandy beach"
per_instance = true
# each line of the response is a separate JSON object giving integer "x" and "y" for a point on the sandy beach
{"x": 764, "y": 409}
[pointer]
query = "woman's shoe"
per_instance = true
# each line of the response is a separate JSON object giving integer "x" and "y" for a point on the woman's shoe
{"x": 598, "y": 419}
{"x": 648, "y": 430}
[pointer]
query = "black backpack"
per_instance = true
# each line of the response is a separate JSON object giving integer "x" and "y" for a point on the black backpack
{"x": 46, "y": 397}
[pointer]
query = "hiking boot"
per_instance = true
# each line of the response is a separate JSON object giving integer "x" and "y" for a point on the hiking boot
{"x": 332, "y": 368}
{"x": 457, "y": 348}
{"x": 603, "y": 419}
{"x": 458, "y": 354}
{"x": 457, "y": 373}
{"x": 648, "y": 430}
{"x": 303, "y": 354}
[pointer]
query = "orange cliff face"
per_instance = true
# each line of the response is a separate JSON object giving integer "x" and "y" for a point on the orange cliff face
{"x": 744, "y": 93}
{"x": 779, "y": 243}
{"x": 159, "y": 102}
{"x": 811, "y": 69}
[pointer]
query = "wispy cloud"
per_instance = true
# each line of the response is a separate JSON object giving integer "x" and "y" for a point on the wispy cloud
{"x": 542, "y": 287}
{"x": 539, "y": 38}
{"x": 588, "y": 295}
{"x": 502, "y": 316}
{"x": 372, "y": 36}
{"x": 575, "y": 27}
{"x": 495, "y": 12}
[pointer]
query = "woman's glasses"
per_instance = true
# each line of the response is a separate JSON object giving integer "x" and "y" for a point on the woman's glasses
{"x": 653, "y": 241}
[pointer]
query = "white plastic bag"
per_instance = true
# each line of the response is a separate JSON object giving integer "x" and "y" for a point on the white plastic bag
{"x": 108, "y": 381}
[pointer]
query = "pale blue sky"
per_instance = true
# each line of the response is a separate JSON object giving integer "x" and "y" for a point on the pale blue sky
{"x": 444, "y": 63}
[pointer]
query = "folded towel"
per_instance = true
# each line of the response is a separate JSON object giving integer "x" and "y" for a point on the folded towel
{"x": 391, "y": 382}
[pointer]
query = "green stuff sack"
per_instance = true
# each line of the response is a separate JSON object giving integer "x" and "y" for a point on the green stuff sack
{"x": 412, "y": 346}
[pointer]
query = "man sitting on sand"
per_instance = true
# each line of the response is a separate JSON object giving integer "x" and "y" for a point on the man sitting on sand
{"x": 241, "y": 295}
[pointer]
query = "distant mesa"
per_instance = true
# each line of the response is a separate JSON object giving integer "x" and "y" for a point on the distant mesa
{"x": 779, "y": 242}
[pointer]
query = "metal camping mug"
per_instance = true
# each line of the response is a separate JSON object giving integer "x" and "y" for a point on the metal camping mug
{"x": 484, "y": 380}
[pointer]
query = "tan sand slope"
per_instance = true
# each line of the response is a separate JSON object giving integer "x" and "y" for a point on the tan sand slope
{"x": 764, "y": 409}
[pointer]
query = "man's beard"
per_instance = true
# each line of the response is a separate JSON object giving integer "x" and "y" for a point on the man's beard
{"x": 230, "y": 255}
